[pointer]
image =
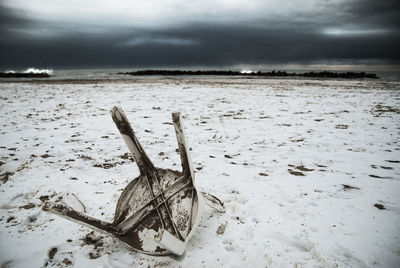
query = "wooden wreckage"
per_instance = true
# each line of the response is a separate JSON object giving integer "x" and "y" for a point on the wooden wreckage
{"x": 158, "y": 212}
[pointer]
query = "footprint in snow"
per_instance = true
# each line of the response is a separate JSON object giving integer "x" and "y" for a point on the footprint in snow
{"x": 295, "y": 173}
{"x": 299, "y": 170}
{"x": 346, "y": 191}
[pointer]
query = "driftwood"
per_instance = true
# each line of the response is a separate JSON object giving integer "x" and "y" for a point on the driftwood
{"x": 158, "y": 212}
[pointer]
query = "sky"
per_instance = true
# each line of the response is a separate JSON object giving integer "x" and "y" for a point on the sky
{"x": 207, "y": 34}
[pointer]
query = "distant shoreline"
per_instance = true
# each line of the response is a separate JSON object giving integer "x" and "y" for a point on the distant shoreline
{"x": 322, "y": 74}
{"x": 23, "y": 75}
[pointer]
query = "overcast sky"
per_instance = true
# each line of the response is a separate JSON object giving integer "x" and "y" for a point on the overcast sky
{"x": 181, "y": 33}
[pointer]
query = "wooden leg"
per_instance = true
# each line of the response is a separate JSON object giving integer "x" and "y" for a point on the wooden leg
{"x": 186, "y": 160}
{"x": 141, "y": 158}
{"x": 71, "y": 214}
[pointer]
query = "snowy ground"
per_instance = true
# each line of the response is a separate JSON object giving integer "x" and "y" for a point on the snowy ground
{"x": 309, "y": 170}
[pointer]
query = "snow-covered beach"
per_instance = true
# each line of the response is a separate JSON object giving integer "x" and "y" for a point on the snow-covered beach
{"x": 309, "y": 170}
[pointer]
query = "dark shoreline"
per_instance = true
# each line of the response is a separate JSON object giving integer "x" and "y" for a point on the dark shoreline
{"x": 322, "y": 74}
{"x": 24, "y": 75}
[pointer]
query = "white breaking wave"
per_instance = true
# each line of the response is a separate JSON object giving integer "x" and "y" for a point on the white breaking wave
{"x": 38, "y": 71}
{"x": 246, "y": 72}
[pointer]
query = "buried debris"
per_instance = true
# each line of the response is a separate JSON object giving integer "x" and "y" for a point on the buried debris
{"x": 158, "y": 212}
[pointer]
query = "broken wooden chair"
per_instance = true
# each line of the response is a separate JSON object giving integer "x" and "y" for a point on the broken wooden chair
{"x": 158, "y": 212}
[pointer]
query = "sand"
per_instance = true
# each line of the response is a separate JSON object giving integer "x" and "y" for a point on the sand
{"x": 309, "y": 170}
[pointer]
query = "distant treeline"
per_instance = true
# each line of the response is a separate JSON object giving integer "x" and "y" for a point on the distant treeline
{"x": 323, "y": 74}
{"x": 23, "y": 75}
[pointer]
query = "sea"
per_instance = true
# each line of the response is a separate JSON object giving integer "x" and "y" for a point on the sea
{"x": 115, "y": 73}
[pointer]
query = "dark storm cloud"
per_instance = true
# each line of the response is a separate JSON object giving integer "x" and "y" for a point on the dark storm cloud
{"x": 352, "y": 31}
{"x": 11, "y": 20}
{"x": 384, "y": 13}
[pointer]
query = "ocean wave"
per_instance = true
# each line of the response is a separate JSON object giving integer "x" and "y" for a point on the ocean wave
{"x": 38, "y": 71}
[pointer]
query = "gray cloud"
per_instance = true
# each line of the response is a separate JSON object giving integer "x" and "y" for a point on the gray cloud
{"x": 384, "y": 13}
{"x": 334, "y": 31}
{"x": 143, "y": 40}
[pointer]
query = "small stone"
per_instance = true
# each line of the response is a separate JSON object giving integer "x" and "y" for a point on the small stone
{"x": 52, "y": 252}
{"x": 221, "y": 229}
{"x": 379, "y": 206}
{"x": 67, "y": 262}
{"x": 44, "y": 198}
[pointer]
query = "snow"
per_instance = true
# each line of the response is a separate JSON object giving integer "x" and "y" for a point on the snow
{"x": 303, "y": 167}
